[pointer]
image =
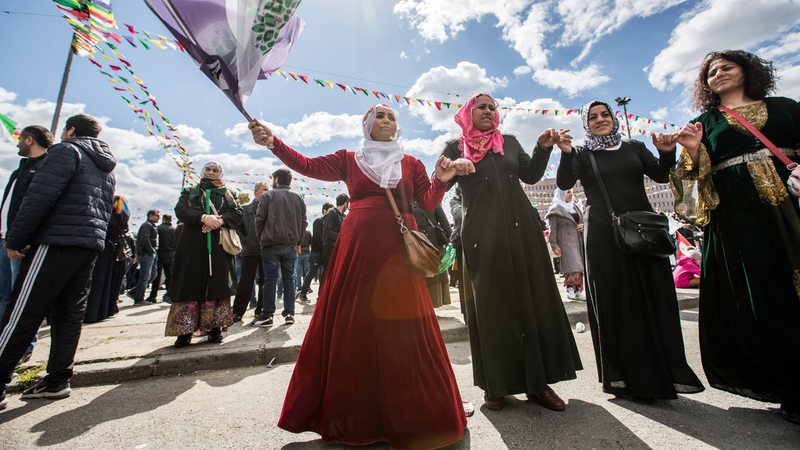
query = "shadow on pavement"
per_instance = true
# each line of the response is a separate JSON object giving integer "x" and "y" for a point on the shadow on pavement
{"x": 733, "y": 428}
{"x": 523, "y": 424}
{"x": 118, "y": 403}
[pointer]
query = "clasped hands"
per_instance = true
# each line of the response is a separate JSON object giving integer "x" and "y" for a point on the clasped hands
{"x": 447, "y": 168}
{"x": 211, "y": 222}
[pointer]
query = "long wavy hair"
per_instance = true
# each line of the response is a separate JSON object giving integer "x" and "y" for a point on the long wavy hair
{"x": 759, "y": 77}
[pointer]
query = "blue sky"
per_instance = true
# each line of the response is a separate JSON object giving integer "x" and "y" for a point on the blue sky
{"x": 528, "y": 54}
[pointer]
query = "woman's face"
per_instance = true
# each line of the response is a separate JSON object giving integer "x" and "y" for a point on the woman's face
{"x": 384, "y": 127}
{"x": 483, "y": 113}
{"x": 211, "y": 171}
{"x": 725, "y": 77}
{"x": 600, "y": 121}
{"x": 568, "y": 196}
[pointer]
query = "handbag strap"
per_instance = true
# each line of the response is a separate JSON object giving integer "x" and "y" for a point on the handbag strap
{"x": 755, "y": 132}
{"x": 602, "y": 187}
{"x": 403, "y": 227}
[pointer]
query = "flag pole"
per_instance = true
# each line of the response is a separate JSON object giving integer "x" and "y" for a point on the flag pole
{"x": 62, "y": 90}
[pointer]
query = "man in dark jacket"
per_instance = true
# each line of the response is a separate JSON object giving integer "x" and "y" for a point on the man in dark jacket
{"x": 331, "y": 224}
{"x": 165, "y": 254}
{"x": 316, "y": 255}
{"x": 146, "y": 247}
{"x": 33, "y": 143}
{"x": 62, "y": 223}
{"x": 250, "y": 257}
{"x": 280, "y": 222}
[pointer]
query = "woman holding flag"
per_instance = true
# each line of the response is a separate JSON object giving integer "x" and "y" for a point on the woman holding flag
{"x": 373, "y": 366}
{"x": 204, "y": 276}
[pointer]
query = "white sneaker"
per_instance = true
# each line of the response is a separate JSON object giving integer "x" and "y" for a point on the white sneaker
{"x": 580, "y": 296}
{"x": 571, "y": 293}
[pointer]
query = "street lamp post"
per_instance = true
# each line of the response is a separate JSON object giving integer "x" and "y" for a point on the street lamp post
{"x": 623, "y": 101}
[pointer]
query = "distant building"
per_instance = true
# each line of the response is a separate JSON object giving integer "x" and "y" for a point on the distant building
{"x": 541, "y": 195}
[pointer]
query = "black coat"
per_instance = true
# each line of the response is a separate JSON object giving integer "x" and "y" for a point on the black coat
{"x": 69, "y": 200}
{"x": 519, "y": 333}
{"x": 190, "y": 273}
{"x": 20, "y": 179}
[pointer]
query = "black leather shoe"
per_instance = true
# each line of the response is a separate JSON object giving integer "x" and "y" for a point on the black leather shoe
{"x": 183, "y": 340}
{"x": 215, "y": 336}
{"x": 549, "y": 399}
{"x": 493, "y": 403}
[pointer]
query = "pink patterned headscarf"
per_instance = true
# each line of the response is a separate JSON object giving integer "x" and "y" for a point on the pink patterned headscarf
{"x": 473, "y": 143}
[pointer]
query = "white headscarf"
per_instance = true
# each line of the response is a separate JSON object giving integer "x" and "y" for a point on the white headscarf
{"x": 560, "y": 198}
{"x": 380, "y": 161}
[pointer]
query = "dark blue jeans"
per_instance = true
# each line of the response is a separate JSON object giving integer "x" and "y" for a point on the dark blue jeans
{"x": 274, "y": 259}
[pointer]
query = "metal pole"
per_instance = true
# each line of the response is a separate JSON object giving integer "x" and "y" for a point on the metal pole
{"x": 627, "y": 124}
{"x": 62, "y": 90}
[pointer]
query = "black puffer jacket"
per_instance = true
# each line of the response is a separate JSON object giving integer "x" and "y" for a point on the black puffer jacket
{"x": 69, "y": 200}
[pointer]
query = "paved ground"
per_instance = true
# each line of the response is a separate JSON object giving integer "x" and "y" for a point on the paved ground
{"x": 131, "y": 345}
{"x": 238, "y": 408}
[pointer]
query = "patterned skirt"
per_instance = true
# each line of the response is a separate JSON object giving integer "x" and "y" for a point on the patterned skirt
{"x": 201, "y": 315}
{"x": 574, "y": 280}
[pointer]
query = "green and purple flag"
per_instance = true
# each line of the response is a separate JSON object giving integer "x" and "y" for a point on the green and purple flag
{"x": 235, "y": 42}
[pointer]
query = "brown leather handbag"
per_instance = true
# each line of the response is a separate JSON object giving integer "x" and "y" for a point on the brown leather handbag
{"x": 424, "y": 257}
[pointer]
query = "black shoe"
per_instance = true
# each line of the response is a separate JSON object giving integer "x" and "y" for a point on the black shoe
{"x": 167, "y": 299}
{"x": 150, "y": 299}
{"x": 267, "y": 321}
{"x": 289, "y": 320}
{"x": 182, "y": 341}
{"x": 45, "y": 389}
{"x": 215, "y": 336}
{"x": 787, "y": 412}
{"x": 237, "y": 318}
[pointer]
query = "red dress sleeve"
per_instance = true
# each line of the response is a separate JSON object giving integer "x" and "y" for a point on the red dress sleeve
{"x": 427, "y": 192}
{"x": 331, "y": 167}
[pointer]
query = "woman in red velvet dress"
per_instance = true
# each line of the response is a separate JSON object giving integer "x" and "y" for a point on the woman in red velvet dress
{"x": 373, "y": 366}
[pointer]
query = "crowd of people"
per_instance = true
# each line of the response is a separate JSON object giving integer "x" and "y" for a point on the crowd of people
{"x": 361, "y": 376}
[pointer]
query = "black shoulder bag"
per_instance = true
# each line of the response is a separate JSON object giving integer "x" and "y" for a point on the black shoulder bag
{"x": 643, "y": 233}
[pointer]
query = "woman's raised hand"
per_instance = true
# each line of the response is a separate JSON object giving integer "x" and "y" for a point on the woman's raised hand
{"x": 262, "y": 135}
{"x": 793, "y": 183}
{"x": 548, "y": 138}
{"x": 665, "y": 142}
{"x": 564, "y": 141}
{"x": 690, "y": 137}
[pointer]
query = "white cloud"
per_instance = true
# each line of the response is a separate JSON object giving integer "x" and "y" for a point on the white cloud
{"x": 716, "y": 25}
{"x": 404, "y": 56}
{"x": 311, "y": 130}
{"x": 441, "y": 82}
{"x": 7, "y": 96}
{"x": 570, "y": 82}
{"x": 522, "y": 70}
{"x": 440, "y": 20}
{"x": 523, "y": 122}
{"x": 659, "y": 114}
{"x": 789, "y": 82}
{"x": 587, "y": 22}
{"x": 788, "y": 44}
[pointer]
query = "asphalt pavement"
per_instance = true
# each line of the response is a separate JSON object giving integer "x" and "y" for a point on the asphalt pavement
{"x": 131, "y": 345}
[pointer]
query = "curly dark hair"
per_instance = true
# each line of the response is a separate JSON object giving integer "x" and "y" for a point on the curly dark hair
{"x": 759, "y": 77}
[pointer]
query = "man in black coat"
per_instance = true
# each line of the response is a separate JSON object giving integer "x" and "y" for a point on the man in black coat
{"x": 62, "y": 223}
{"x": 33, "y": 144}
{"x": 316, "y": 255}
{"x": 146, "y": 248}
{"x": 331, "y": 225}
{"x": 166, "y": 253}
{"x": 250, "y": 258}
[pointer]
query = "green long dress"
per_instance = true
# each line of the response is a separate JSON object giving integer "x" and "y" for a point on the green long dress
{"x": 750, "y": 284}
{"x": 519, "y": 333}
